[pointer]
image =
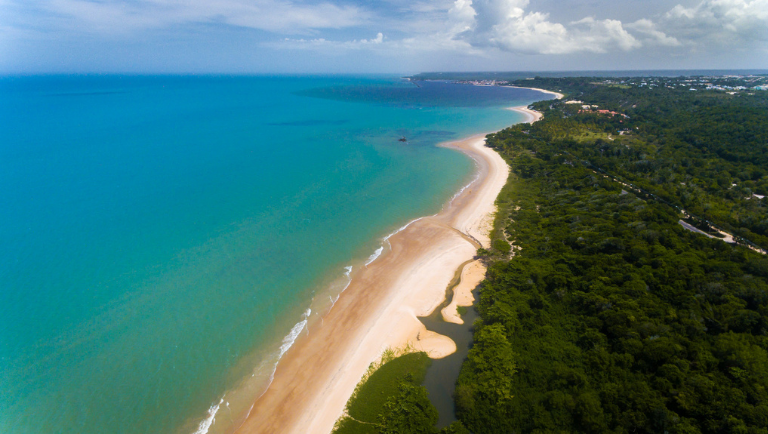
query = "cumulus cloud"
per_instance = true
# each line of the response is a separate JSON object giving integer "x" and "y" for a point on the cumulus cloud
{"x": 652, "y": 34}
{"x": 513, "y": 26}
{"x": 720, "y": 21}
{"x": 461, "y": 16}
{"x": 600, "y": 36}
{"x": 378, "y": 40}
{"x": 507, "y": 25}
{"x": 417, "y": 28}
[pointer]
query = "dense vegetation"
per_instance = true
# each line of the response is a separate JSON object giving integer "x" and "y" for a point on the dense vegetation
{"x": 611, "y": 317}
{"x": 391, "y": 400}
{"x": 706, "y": 152}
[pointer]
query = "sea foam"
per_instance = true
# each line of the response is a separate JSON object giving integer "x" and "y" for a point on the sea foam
{"x": 348, "y": 273}
{"x": 375, "y": 255}
{"x": 293, "y": 334}
{"x": 458, "y": 193}
{"x": 404, "y": 227}
{"x": 208, "y": 421}
{"x": 287, "y": 343}
{"x": 378, "y": 251}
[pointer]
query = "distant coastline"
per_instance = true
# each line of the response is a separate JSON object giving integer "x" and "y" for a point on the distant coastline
{"x": 533, "y": 115}
{"x": 557, "y": 95}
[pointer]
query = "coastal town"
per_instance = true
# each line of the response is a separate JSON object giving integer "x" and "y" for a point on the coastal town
{"x": 733, "y": 84}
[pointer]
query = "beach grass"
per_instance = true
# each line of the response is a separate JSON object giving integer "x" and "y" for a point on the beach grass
{"x": 382, "y": 382}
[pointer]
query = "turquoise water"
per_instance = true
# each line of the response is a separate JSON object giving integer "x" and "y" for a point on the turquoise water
{"x": 162, "y": 235}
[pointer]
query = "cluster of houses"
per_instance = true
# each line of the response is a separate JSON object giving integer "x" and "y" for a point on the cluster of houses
{"x": 726, "y": 83}
{"x": 719, "y": 87}
{"x": 591, "y": 108}
{"x": 605, "y": 112}
{"x": 484, "y": 82}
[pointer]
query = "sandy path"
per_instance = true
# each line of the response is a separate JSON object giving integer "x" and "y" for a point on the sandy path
{"x": 380, "y": 307}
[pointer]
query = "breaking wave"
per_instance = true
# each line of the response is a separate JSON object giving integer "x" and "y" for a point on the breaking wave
{"x": 208, "y": 421}
{"x": 375, "y": 255}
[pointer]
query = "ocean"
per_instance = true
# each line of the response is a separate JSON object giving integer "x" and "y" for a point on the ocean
{"x": 164, "y": 238}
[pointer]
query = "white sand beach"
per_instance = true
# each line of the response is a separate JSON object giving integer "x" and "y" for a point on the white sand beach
{"x": 380, "y": 307}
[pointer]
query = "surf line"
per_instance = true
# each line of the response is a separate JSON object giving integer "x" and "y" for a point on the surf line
{"x": 380, "y": 250}
{"x": 287, "y": 343}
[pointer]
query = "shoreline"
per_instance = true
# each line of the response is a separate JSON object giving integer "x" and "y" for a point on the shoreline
{"x": 557, "y": 95}
{"x": 531, "y": 115}
{"x": 380, "y": 309}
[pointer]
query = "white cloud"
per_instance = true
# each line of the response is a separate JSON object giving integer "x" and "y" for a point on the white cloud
{"x": 272, "y": 15}
{"x": 652, "y": 34}
{"x": 322, "y": 43}
{"x": 474, "y": 26}
{"x": 507, "y": 25}
{"x": 719, "y": 21}
{"x": 602, "y": 35}
{"x": 461, "y": 16}
{"x": 477, "y": 29}
{"x": 515, "y": 26}
{"x": 481, "y": 27}
{"x": 378, "y": 40}
{"x": 426, "y": 6}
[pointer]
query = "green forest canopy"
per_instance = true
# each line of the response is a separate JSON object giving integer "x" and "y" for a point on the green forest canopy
{"x": 611, "y": 317}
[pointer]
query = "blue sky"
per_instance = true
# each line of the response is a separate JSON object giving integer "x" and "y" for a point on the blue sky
{"x": 273, "y": 36}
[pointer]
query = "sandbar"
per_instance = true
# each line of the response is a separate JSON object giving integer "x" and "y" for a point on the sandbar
{"x": 471, "y": 275}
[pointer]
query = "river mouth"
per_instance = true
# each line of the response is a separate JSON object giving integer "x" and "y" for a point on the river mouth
{"x": 441, "y": 376}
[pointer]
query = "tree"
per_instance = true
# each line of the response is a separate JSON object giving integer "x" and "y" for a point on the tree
{"x": 409, "y": 412}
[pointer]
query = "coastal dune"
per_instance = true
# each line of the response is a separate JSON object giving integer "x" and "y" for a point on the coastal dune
{"x": 379, "y": 309}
